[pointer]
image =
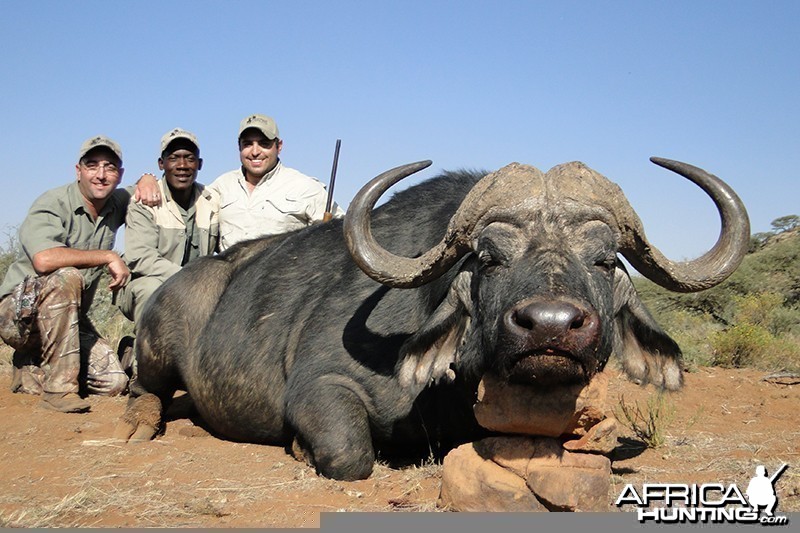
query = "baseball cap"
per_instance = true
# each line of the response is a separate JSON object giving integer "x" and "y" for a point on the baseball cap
{"x": 99, "y": 140}
{"x": 262, "y": 123}
{"x": 178, "y": 133}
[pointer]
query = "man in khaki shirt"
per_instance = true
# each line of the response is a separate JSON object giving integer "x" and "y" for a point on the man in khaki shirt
{"x": 160, "y": 240}
{"x": 64, "y": 243}
{"x": 262, "y": 197}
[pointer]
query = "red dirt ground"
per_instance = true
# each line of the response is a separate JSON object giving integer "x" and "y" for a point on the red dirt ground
{"x": 65, "y": 470}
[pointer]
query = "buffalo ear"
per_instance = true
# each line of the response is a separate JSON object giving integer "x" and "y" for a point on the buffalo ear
{"x": 647, "y": 353}
{"x": 429, "y": 355}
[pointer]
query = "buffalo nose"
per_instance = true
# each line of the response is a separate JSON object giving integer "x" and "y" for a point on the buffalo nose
{"x": 554, "y": 323}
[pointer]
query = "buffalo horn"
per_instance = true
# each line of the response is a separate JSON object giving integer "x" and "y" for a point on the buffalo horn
{"x": 382, "y": 265}
{"x": 712, "y": 267}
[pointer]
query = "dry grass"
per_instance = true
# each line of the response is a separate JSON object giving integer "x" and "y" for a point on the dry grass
{"x": 94, "y": 502}
{"x": 649, "y": 423}
{"x": 149, "y": 499}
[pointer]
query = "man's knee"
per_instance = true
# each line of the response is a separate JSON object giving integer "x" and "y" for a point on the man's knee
{"x": 117, "y": 384}
{"x": 104, "y": 374}
{"x": 145, "y": 289}
{"x": 66, "y": 282}
{"x": 134, "y": 296}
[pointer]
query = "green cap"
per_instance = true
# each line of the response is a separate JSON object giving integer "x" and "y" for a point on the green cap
{"x": 100, "y": 140}
{"x": 178, "y": 133}
{"x": 262, "y": 123}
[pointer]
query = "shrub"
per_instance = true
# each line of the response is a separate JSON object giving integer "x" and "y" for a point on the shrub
{"x": 740, "y": 345}
{"x": 649, "y": 424}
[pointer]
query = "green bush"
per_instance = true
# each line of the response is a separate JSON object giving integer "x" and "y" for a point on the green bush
{"x": 741, "y": 345}
{"x": 752, "y": 319}
{"x": 752, "y": 345}
{"x": 693, "y": 333}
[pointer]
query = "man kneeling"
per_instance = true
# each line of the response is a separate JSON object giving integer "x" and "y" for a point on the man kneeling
{"x": 64, "y": 243}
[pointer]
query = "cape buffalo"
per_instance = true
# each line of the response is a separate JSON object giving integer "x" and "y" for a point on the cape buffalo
{"x": 324, "y": 336}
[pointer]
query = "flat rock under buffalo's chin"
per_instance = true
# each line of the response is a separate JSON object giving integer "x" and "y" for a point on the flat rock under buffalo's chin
{"x": 547, "y": 411}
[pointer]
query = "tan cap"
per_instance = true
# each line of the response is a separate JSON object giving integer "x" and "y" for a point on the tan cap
{"x": 100, "y": 140}
{"x": 178, "y": 133}
{"x": 262, "y": 123}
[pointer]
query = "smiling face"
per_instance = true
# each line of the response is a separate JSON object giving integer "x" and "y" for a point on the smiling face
{"x": 258, "y": 154}
{"x": 180, "y": 163}
{"x": 98, "y": 173}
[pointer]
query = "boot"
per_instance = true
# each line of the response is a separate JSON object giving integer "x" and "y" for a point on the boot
{"x": 65, "y": 402}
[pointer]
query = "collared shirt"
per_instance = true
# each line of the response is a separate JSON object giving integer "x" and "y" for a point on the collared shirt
{"x": 191, "y": 249}
{"x": 284, "y": 200}
{"x": 59, "y": 218}
{"x": 157, "y": 238}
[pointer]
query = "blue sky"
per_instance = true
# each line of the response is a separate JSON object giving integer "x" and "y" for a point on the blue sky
{"x": 465, "y": 84}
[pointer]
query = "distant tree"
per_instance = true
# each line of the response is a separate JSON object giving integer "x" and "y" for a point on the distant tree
{"x": 758, "y": 240}
{"x": 8, "y": 250}
{"x": 785, "y": 223}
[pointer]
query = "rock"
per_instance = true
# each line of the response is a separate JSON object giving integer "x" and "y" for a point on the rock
{"x": 523, "y": 474}
{"x": 601, "y": 439}
{"x": 473, "y": 483}
{"x": 512, "y": 453}
{"x": 531, "y": 469}
{"x": 551, "y": 412}
{"x": 565, "y": 481}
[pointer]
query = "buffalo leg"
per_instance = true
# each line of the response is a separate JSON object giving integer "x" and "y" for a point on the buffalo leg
{"x": 141, "y": 419}
{"x": 332, "y": 423}
{"x": 151, "y": 393}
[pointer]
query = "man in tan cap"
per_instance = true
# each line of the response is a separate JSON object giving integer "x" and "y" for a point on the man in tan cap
{"x": 262, "y": 197}
{"x": 160, "y": 240}
{"x": 64, "y": 243}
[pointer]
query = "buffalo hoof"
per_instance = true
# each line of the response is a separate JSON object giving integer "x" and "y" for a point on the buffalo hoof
{"x": 141, "y": 420}
{"x": 301, "y": 453}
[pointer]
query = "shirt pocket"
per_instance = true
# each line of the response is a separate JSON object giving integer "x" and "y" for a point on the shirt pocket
{"x": 294, "y": 210}
{"x": 226, "y": 205}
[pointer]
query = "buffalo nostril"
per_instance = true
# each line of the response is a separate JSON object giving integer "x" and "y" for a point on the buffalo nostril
{"x": 578, "y": 322}
{"x": 523, "y": 321}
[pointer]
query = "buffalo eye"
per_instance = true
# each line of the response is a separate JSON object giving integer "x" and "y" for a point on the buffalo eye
{"x": 488, "y": 260}
{"x": 607, "y": 263}
{"x": 497, "y": 245}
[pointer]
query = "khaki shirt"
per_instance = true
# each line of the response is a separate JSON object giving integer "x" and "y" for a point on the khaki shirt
{"x": 58, "y": 218}
{"x": 155, "y": 237}
{"x": 284, "y": 200}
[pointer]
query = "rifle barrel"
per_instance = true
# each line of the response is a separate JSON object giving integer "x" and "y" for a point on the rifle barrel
{"x": 329, "y": 203}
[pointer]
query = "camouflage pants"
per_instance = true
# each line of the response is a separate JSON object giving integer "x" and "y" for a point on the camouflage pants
{"x": 57, "y": 349}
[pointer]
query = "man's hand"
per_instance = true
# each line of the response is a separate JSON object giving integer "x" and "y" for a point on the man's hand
{"x": 147, "y": 191}
{"x": 119, "y": 273}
